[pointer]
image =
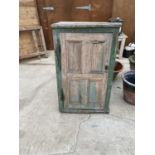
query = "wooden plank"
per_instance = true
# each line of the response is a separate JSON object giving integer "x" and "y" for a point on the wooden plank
{"x": 84, "y": 92}
{"x": 29, "y": 28}
{"x": 63, "y": 63}
{"x": 74, "y": 56}
{"x": 101, "y": 10}
{"x": 86, "y": 55}
{"x": 84, "y": 24}
{"x": 92, "y": 92}
{"x": 26, "y": 45}
{"x": 35, "y": 40}
{"x": 29, "y": 43}
{"x": 44, "y": 21}
{"x": 27, "y": 3}
{"x": 74, "y": 91}
{"x": 31, "y": 55}
{"x": 28, "y": 14}
{"x": 42, "y": 39}
{"x": 97, "y": 56}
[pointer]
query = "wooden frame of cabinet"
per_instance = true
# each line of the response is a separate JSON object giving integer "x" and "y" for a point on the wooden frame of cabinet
{"x": 84, "y": 28}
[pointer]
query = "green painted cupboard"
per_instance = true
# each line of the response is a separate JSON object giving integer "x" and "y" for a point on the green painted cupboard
{"x": 85, "y": 58}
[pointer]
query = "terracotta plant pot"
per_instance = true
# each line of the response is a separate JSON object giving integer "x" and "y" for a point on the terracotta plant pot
{"x": 129, "y": 87}
{"x": 118, "y": 68}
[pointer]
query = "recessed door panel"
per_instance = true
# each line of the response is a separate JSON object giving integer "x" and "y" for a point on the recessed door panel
{"x": 74, "y": 91}
{"x": 77, "y": 93}
{"x": 97, "y": 57}
{"x": 74, "y": 56}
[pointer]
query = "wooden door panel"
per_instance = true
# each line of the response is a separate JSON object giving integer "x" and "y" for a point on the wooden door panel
{"x": 91, "y": 51}
{"x": 61, "y": 12}
{"x": 74, "y": 91}
{"x": 58, "y": 3}
{"x": 77, "y": 14}
{"x": 66, "y": 10}
{"x": 83, "y": 73}
{"x": 97, "y": 58}
{"x": 101, "y": 10}
{"x": 96, "y": 92}
{"x": 44, "y": 23}
{"x": 93, "y": 57}
{"x": 78, "y": 93}
{"x": 86, "y": 93}
{"x": 74, "y": 56}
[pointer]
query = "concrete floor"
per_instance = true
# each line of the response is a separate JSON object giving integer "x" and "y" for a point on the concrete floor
{"x": 46, "y": 131}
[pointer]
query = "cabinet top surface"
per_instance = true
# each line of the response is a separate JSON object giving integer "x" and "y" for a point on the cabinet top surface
{"x": 84, "y": 24}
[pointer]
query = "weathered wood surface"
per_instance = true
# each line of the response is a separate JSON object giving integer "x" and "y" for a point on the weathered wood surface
{"x": 26, "y": 45}
{"x": 31, "y": 39}
{"x": 84, "y": 24}
{"x": 66, "y": 10}
{"x": 84, "y": 78}
{"x": 27, "y": 3}
{"x": 31, "y": 42}
{"x": 84, "y": 83}
{"x": 28, "y": 14}
{"x": 29, "y": 28}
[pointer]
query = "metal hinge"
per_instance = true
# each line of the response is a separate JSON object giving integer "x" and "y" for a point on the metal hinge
{"x": 48, "y": 8}
{"x": 87, "y": 7}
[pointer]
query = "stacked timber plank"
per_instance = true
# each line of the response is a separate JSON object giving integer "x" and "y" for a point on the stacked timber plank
{"x": 31, "y": 38}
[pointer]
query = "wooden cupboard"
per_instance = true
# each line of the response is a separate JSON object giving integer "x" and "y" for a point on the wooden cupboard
{"x": 85, "y": 57}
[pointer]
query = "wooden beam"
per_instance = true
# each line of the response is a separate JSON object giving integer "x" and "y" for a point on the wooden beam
{"x": 27, "y": 4}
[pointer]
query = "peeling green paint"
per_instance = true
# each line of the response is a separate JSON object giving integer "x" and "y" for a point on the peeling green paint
{"x": 92, "y": 92}
{"x": 56, "y": 35}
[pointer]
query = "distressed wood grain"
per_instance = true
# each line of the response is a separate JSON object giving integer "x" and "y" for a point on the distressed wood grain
{"x": 83, "y": 74}
{"x": 86, "y": 85}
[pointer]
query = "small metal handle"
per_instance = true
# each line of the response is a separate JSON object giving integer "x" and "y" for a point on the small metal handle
{"x": 48, "y": 8}
{"x": 87, "y": 7}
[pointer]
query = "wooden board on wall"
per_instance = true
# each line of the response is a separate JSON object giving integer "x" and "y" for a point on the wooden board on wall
{"x": 26, "y": 44}
{"x": 30, "y": 44}
{"x": 70, "y": 10}
{"x": 126, "y": 10}
{"x": 28, "y": 14}
{"x": 101, "y": 10}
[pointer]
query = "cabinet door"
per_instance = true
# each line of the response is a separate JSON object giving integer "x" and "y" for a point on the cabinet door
{"x": 84, "y": 61}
